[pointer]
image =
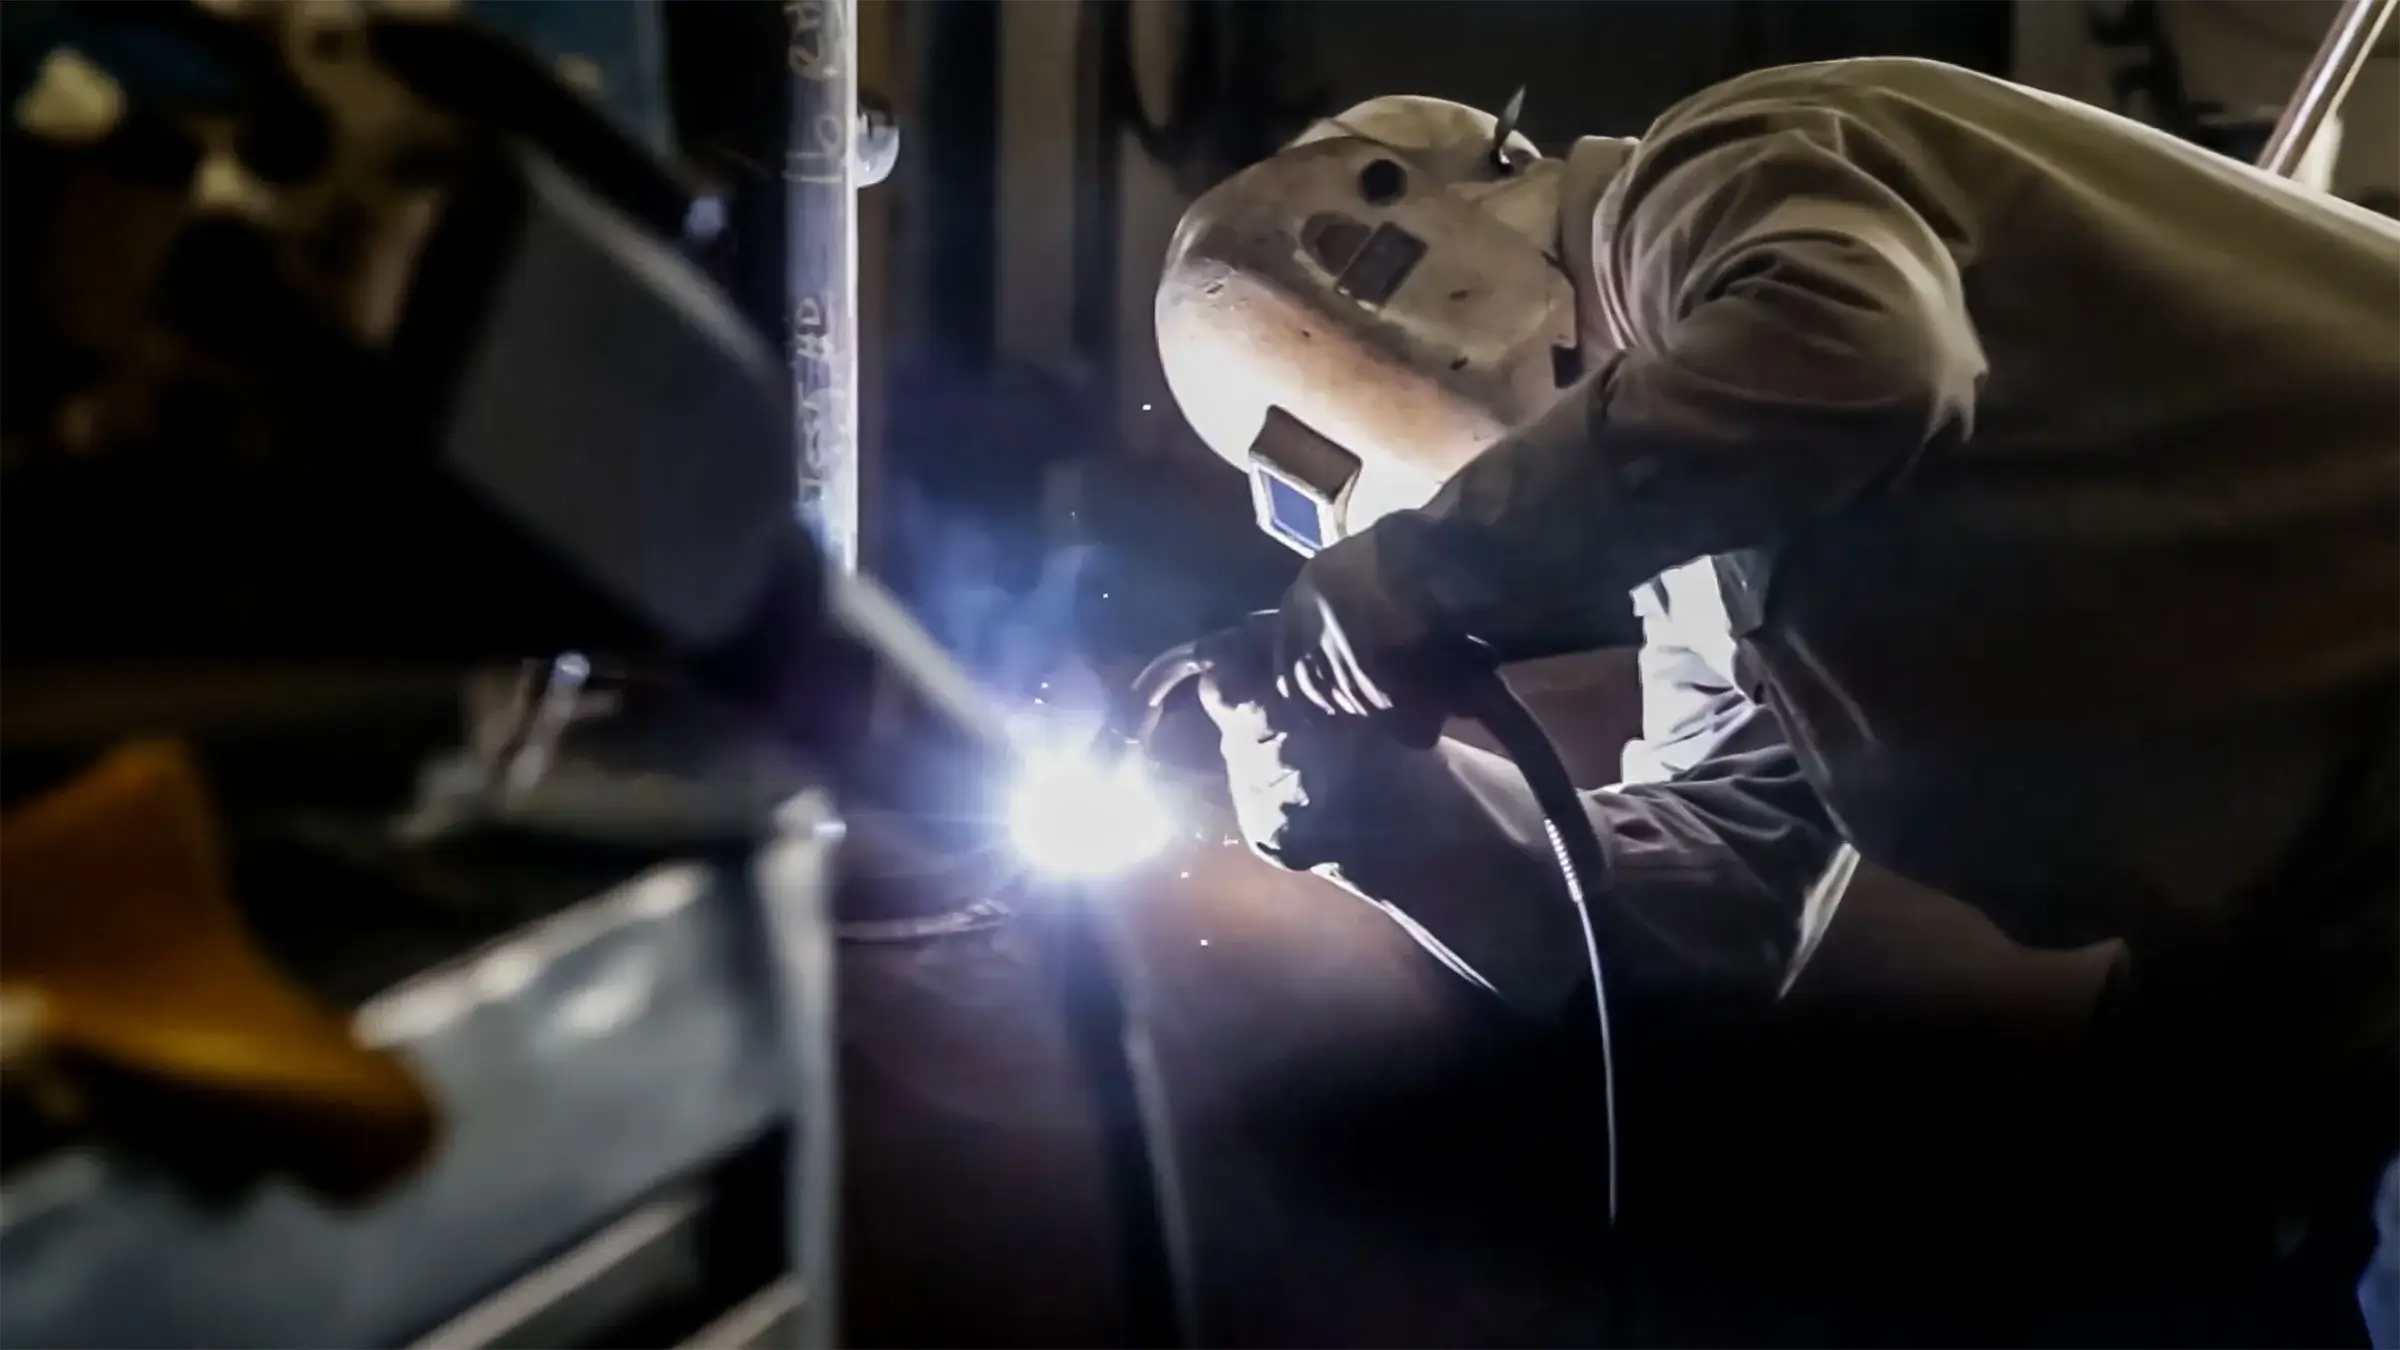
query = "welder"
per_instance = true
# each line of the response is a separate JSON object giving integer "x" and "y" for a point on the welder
{"x": 2009, "y": 492}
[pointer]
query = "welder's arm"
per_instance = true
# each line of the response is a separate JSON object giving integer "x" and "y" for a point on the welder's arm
{"x": 1709, "y": 872}
{"x": 1799, "y": 331}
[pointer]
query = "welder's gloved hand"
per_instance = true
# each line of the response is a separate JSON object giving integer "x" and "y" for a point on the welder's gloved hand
{"x": 1352, "y": 640}
{"x": 1296, "y": 773}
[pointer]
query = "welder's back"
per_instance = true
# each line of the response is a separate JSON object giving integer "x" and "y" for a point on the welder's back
{"x": 2119, "y": 660}
{"x": 2166, "y": 557}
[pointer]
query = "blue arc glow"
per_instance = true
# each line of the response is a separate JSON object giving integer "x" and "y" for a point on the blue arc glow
{"x": 1074, "y": 817}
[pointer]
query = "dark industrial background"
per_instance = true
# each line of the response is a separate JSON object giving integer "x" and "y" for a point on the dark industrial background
{"x": 1359, "y": 1150}
{"x": 1371, "y": 1158}
{"x": 1029, "y": 485}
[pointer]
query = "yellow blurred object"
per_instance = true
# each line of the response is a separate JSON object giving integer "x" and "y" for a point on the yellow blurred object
{"x": 126, "y": 972}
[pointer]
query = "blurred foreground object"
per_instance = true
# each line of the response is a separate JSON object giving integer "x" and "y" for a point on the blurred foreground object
{"x": 153, "y": 1010}
{"x": 365, "y": 337}
{"x": 350, "y": 353}
{"x": 353, "y": 358}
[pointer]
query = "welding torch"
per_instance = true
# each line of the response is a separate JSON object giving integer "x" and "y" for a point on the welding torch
{"x": 1476, "y": 693}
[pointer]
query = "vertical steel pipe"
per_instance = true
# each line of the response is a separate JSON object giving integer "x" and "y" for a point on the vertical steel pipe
{"x": 2326, "y": 83}
{"x": 820, "y": 171}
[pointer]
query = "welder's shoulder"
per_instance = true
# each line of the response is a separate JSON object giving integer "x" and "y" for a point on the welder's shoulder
{"x": 1792, "y": 121}
{"x": 1872, "y": 87}
{"x": 1736, "y": 148}
{"x": 1714, "y": 161}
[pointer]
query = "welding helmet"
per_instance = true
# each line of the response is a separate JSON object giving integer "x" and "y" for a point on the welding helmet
{"x": 1352, "y": 320}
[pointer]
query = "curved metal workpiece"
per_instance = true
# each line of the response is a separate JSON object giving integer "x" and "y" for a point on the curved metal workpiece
{"x": 976, "y": 917}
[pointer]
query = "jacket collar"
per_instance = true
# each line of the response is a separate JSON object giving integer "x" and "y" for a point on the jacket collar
{"x": 1592, "y": 167}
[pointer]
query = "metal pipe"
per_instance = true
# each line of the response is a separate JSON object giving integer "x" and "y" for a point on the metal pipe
{"x": 820, "y": 170}
{"x": 2326, "y": 83}
{"x": 820, "y": 173}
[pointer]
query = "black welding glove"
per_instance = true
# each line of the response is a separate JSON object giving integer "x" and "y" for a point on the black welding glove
{"x": 1295, "y": 773}
{"x": 1352, "y": 639}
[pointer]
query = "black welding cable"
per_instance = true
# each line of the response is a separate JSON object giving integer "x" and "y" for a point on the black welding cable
{"x": 1100, "y": 979}
{"x": 1583, "y": 870}
{"x": 1574, "y": 845}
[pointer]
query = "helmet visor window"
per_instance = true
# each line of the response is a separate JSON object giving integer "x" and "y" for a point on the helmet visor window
{"x": 1297, "y": 482}
{"x": 1292, "y": 515}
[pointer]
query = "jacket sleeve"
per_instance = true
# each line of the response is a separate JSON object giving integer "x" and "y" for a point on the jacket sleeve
{"x": 1709, "y": 872}
{"x": 1797, "y": 331}
{"x": 1690, "y": 702}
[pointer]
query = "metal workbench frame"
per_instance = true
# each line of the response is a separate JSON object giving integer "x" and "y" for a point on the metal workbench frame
{"x": 584, "y": 1066}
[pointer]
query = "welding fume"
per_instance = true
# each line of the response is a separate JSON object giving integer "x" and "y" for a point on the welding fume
{"x": 1999, "y": 493}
